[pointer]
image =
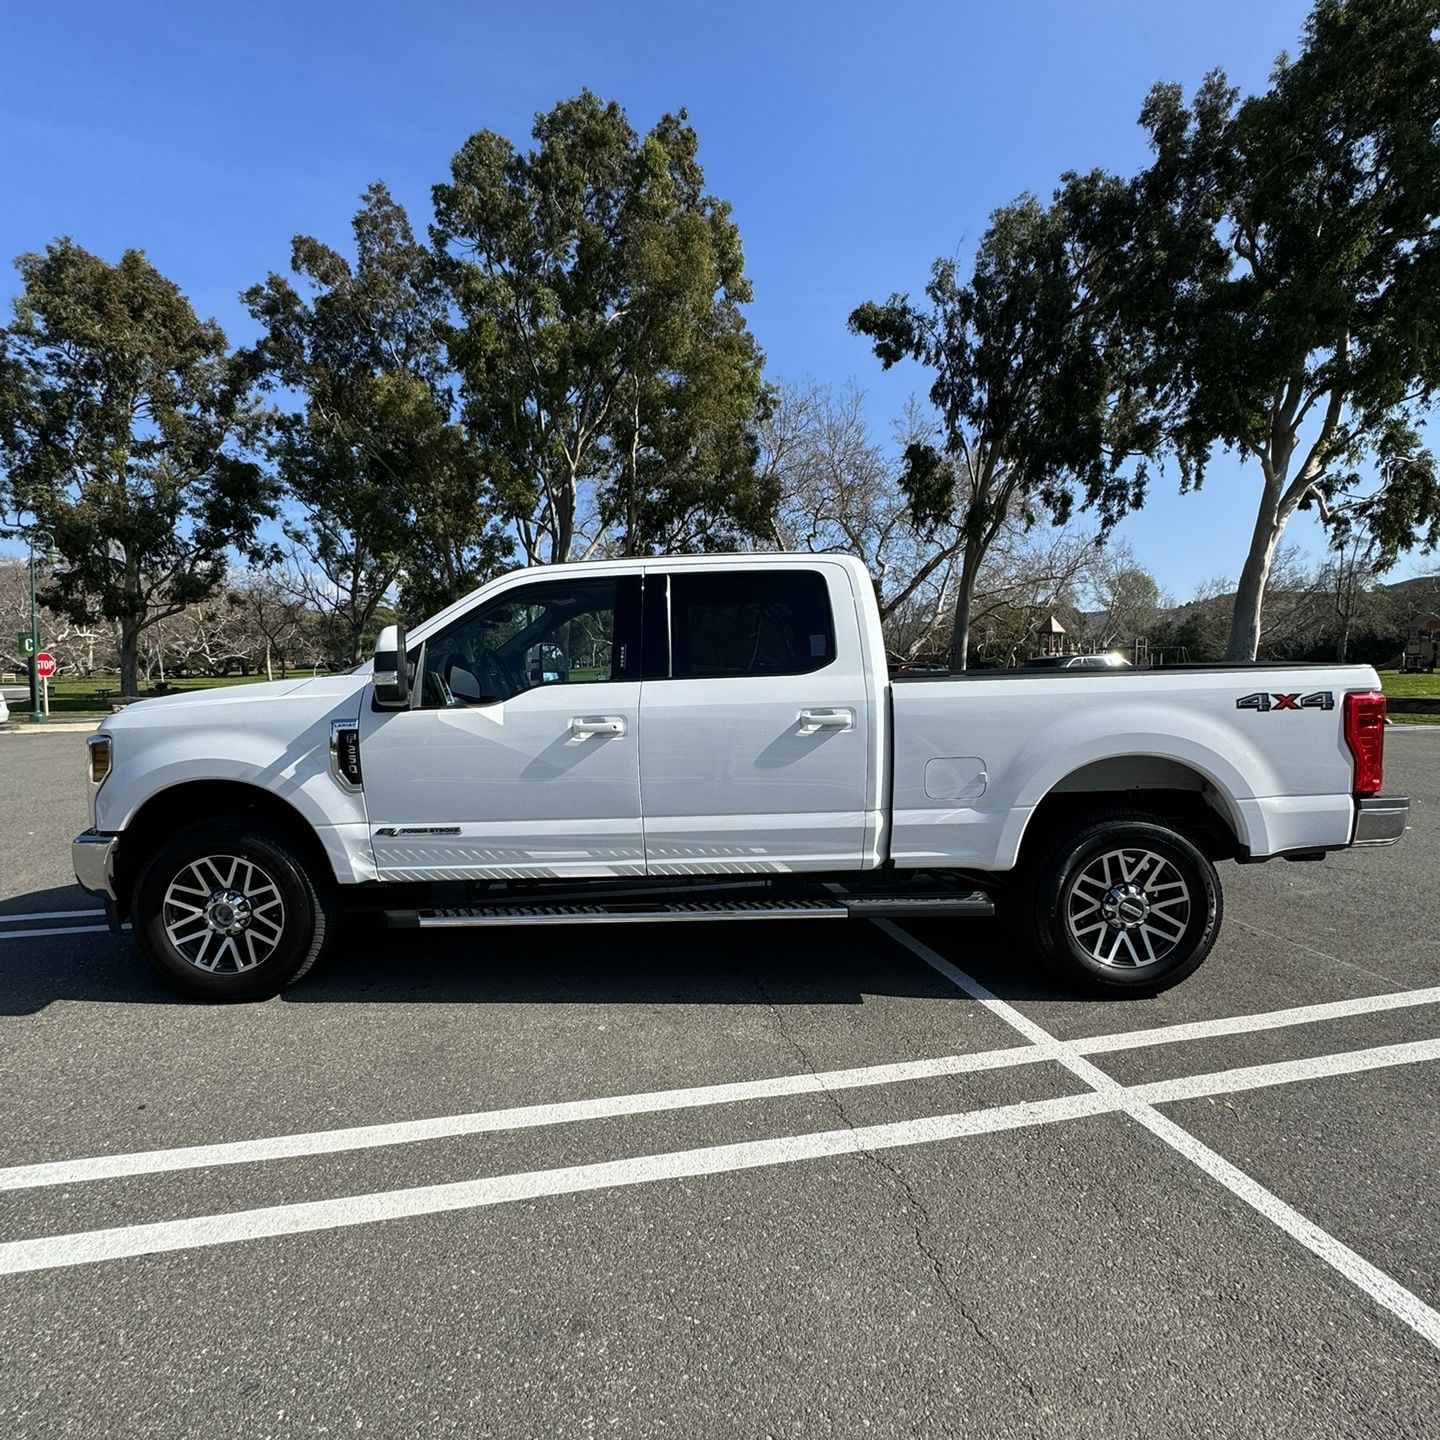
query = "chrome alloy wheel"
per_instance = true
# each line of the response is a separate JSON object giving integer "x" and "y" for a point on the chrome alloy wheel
{"x": 223, "y": 914}
{"x": 1128, "y": 908}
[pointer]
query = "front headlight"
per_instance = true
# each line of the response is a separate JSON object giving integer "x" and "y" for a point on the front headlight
{"x": 100, "y": 755}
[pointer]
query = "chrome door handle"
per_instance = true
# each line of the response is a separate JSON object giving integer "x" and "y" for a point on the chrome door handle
{"x": 582, "y": 727}
{"x": 813, "y": 720}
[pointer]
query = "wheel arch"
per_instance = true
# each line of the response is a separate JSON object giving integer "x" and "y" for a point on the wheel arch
{"x": 1175, "y": 790}
{"x": 184, "y": 803}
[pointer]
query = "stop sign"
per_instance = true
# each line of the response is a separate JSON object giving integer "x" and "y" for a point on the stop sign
{"x": 45, "y": 665}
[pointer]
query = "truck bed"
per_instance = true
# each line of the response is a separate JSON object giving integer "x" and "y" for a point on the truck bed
{"x": 975, "y": 753}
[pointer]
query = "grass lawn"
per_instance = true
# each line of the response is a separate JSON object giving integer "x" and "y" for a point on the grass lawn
{"x": 1421, "y": 686}
{"x": 1412, "y": 687}
{"x": 76, "y": 698}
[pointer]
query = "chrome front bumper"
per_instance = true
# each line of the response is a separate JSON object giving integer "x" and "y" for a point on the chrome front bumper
{"x": 93, "y": 857}
{"x": 1380, "y": 819}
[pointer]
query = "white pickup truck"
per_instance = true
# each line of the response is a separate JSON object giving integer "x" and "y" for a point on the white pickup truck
{"x": 711, "y": 738}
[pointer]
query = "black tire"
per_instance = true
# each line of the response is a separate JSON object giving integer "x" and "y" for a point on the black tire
{"x": 1111, "y": 953}
{"x": 292, "y": 917}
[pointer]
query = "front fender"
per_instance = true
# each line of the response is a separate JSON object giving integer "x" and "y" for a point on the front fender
{"x": 281, "y": 747}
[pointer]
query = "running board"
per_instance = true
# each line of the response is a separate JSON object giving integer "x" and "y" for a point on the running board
{"x": 841, "y": 907}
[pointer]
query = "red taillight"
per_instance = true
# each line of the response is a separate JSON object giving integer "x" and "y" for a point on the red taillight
{"x": 1365, "y": 735}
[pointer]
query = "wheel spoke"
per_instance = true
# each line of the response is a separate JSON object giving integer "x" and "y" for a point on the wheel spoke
{"x": 223, "y": 914}
{"x": 1128, "y": 908}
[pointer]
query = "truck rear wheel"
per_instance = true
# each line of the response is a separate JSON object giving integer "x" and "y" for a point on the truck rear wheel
{"x": 225, "y": 910}
{"x": 1123, "y": 903}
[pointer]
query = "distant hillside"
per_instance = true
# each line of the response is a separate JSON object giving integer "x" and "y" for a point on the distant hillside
{"x": 1422, "y": 591}
{"x": 1418, "y": 594}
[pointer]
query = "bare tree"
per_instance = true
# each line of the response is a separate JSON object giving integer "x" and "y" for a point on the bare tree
{"x": 840, "y": 493}
{"x": 1123, "y": 600}
{"x": 271, "y": 617}
{"x": 80, "y": 648}
{"x": 1354, "y": 566}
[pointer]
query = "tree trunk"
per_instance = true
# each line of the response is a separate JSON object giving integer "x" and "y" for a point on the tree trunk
{"x": 964, "y": 602}
{"x": 129, "y": 660}
{"x": 632, "y": 498}
{"x": 1250, "y": 594}
{"x": 564, "y": 520}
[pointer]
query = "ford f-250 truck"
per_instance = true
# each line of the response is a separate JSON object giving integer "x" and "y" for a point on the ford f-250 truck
{"x": 712, "y": 738}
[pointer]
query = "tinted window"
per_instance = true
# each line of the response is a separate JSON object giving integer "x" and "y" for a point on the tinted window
{"x": 551, "y": 633}
{"x": 758, "y": 622}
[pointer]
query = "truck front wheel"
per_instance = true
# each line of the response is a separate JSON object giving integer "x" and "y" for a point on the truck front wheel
{"x": 1123, "y": 903}
{"x": 226, "y": 910}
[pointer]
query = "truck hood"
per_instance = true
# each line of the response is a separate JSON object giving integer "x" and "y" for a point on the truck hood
{"x": 237, "y": 699}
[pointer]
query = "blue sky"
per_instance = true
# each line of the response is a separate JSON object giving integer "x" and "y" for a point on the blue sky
{"x": 855, "y": 142}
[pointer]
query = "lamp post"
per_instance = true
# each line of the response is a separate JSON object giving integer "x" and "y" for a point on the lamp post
{"x": 44, "y": 542}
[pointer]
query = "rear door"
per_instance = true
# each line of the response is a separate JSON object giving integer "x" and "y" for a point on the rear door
{"x": 754, "y": 721}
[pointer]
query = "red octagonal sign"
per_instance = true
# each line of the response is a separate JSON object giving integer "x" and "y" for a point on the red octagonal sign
{"x": 45, "y": 665}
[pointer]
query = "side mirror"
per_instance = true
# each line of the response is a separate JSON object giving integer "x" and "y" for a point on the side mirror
{"x": 391, "y": 676}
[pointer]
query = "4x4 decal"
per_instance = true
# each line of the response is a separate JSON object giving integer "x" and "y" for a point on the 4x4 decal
{"x": 1261, "y": 700}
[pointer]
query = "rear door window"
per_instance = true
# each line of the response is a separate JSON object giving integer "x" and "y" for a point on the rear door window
{"x": 749, "y": 622}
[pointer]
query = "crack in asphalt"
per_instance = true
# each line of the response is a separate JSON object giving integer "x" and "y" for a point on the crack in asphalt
{"x": 922, "y": 1225}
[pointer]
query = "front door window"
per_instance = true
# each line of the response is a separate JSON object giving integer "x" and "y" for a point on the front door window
{"x": 554, "y": 632}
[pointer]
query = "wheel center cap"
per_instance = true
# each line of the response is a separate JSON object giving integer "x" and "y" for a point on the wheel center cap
{"x": 228, "y": 912}
{"x": 1125, "y": 906}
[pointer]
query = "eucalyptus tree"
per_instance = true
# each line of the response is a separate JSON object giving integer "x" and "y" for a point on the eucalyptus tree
{"x": 1039, "y": 395}
{"x": 1294, "y": 296}
{"x": 128, "y": 430}
{"x": 608, "y": 375}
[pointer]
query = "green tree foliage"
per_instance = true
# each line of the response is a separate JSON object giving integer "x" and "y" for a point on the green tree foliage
{"x": 607, "y": 371}
{"x": 1034, "y": 382}
{"x": 1293, "y": 295}
{"x": 390, "y": 488}
{"x": 125, "y": 426}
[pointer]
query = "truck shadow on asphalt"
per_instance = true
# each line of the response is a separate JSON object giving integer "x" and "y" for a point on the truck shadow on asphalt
{"x": 754, "y": 963}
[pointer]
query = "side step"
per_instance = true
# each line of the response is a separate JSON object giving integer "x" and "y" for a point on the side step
{"x": 841, "y": 907}
{"x": 975, "y": 904}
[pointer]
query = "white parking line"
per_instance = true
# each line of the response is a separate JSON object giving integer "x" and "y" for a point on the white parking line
{"x": 1249, "y": 1024}
{"x": 406, "y": 1132}
{"x": 90, "y": 1246}
{"x": 1382, "y": 1288}
{"x": 58, "y": 930}
{"x": 50, "y": 915}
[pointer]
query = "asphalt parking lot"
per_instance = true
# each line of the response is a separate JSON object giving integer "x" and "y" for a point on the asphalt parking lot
{"x": 796, "y": 1179}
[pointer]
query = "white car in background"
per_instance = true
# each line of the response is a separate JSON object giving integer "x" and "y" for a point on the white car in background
{"x": 1109, "y": 661}
{"x": 4, "y": 711}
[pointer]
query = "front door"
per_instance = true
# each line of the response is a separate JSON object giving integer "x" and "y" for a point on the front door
{"x": 521, "y": 757}
{"x": 756, "y": 755}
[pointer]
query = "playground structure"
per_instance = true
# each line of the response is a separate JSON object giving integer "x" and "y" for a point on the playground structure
{"x": 1422, "y": 645}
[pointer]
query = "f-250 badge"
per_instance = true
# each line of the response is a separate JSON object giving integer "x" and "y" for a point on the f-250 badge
{"x": 1260, "y": 700}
